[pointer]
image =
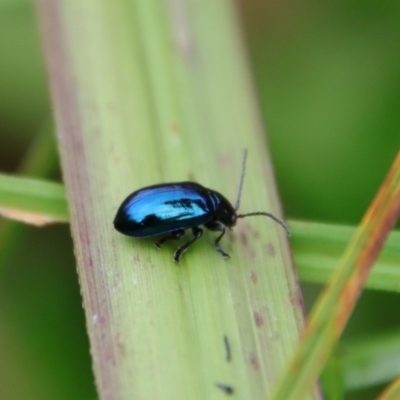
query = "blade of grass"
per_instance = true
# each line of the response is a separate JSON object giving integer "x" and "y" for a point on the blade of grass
{"x": 335, "y": 305}
{"x": 392, "y": 392}
{"x": 331, "y": 378}
{"x": 39, "y": 161}
{"x": 146, "y": 92}
{"x": 30, "y": 200}
{"x": 318, "y": 247}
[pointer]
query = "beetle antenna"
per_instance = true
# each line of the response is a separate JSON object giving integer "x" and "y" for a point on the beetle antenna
{"x": 281, "y": 223}
{"x": 241, "y": 180}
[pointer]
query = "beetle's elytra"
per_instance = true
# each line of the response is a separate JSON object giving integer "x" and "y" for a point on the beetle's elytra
{"x": 171, "y": 208}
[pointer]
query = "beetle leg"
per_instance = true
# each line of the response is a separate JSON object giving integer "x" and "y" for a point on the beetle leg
{"x": 217, "y": 226}
{"x": 172, "y": 236}
{"x": 197, "y": 233}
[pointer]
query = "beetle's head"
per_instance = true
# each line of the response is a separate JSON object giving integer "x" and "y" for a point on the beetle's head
{"x": 224, "y": 211}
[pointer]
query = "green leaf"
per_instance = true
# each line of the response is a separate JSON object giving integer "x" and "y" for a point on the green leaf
{"x": 32, "y": 200}
{"x": 317, "y": 248}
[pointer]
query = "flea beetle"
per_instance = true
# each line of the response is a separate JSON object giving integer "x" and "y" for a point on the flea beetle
{"x": 170, "y": 208}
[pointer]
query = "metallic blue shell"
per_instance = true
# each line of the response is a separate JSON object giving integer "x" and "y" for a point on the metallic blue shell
{"x": 163, "y": 208}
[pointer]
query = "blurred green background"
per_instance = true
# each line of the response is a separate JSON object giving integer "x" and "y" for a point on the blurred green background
{"x": 327, "y": 77}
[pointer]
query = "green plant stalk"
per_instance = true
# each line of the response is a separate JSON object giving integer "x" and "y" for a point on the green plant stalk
{"x": 331, "y": 378}
{"x": 147, "y": 92}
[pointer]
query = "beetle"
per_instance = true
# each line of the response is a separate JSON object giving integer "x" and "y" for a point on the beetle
{"x": 171, "y": 208}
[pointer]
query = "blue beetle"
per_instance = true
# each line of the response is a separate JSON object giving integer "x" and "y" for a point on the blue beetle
{"x": 170, "y": 208}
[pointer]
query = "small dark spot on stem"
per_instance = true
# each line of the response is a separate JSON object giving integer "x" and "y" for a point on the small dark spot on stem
{"x": 175, "y": 128}
{"x": 258, "y": 319}
{"x": 254, "y": 361}
{"x": 191, "y": 177}
{"x": 227, "y": 349}
{"x": 226, "y": 388}
{"x": 270, "y": 249}
{"x": 243, "y": 237}
{"x": 253, "y": 277}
